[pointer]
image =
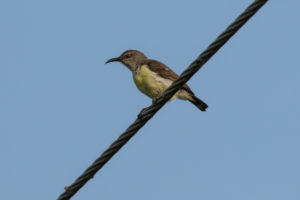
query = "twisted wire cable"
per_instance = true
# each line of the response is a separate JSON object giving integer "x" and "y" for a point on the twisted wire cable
{"x": 150, "y": 111}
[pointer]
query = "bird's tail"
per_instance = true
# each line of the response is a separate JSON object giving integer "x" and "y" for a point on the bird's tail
{"x": 198, "y": 103}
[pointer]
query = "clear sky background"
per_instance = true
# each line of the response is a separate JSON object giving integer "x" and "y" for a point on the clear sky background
{"x": 61, "y": 107}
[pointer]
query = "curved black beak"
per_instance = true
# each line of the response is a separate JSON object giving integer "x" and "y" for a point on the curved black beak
{"x": 113, "y": 60}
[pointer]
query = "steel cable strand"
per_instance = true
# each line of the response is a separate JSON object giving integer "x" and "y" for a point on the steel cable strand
{"x": 149, "y": 112}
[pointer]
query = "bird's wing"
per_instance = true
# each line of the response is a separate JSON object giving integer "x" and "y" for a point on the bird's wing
{"x": 165, "y": 72}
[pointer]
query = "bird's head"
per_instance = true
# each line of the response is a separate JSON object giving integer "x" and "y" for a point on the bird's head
{"x": 130, "y": 58}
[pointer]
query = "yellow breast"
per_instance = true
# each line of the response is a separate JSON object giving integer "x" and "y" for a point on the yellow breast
{"x": 152, "y": 85}
{"x": 148, "y": 82}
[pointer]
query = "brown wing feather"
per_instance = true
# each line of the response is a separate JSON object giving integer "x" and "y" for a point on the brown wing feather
{"x": 164, "y": 71}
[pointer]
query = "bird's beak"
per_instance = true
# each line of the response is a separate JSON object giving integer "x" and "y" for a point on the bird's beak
{"x": 113, "y": 60}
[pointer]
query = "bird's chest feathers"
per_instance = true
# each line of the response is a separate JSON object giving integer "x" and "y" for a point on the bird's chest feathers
{"x": 149, "y": 82}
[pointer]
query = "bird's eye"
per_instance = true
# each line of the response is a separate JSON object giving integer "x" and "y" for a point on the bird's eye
{"x": 128, "y": 55}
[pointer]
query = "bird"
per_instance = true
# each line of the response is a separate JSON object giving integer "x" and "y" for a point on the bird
{"x": 153, "y": 77}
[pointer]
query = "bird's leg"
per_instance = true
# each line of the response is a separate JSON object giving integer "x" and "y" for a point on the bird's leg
{"x": 154, "y": 100}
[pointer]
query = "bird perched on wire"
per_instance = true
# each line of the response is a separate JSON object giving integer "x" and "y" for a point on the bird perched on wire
{"x": 153, "y": 77}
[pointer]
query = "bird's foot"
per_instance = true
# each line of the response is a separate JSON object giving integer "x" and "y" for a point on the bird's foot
{"x": 154, "y": 100}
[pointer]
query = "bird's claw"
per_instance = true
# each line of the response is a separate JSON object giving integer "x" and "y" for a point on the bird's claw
{"x": 154, "y": 100}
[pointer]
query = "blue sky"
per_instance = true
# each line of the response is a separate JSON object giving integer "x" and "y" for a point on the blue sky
{"x": 61, "y": 107}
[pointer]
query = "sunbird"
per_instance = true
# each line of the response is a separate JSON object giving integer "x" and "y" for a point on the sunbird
{"x": 153, "y": 77}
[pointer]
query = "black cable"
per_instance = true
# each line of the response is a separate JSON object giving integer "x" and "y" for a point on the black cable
{"x": 149, "y": 112}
